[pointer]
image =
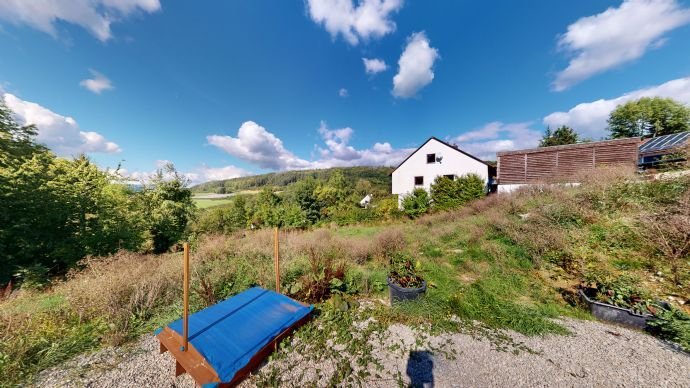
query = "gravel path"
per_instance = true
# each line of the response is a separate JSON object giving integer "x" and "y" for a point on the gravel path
{"x": 596, "y": 354}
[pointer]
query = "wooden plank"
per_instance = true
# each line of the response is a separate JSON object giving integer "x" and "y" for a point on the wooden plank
{"x": 563, "y": 163}
{"x": 190, "y": 361}
{"x": 631, "y": 140}
{"x": 185, "y": 302}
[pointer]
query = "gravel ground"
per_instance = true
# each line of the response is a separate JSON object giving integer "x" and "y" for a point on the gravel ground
{"x": 596, "y": 354}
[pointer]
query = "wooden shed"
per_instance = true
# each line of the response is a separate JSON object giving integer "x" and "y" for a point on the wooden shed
{"x": 562, "y": 163}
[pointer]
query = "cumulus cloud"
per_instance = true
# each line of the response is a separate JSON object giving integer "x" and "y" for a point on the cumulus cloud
{"x": 196, "y": 176}
{"x": 589, "y": 118}
{"x": 497, "y": 136}
{"x": 338, "y": 152}
{"x": 343, "y": 92}
{"x": 374, "y": 65}
{"x": 368, "y": 19}
{"x": 254, "y": 144}
{"x": 616, "y": 36}
{"x": 97, "y": 83}
{"x": 415, "y": 66}
{"x": 59, "y": 133}
{"x": 95, "y": 16}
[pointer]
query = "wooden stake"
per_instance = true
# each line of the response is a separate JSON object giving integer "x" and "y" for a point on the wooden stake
{"x": 185, "y": 311}
{"x": 276, "y": 259}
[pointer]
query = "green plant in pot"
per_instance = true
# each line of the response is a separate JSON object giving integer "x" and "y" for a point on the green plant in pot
{"x": 404, "y": 279}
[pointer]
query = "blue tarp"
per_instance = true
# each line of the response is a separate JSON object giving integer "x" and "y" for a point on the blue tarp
{"x": 230, "y": 333}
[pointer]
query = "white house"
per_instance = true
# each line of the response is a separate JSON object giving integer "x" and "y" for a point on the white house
{"x": 435, "y": 158}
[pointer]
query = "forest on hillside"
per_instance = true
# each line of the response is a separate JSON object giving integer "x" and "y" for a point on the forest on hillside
{"x": 378, "y": 177}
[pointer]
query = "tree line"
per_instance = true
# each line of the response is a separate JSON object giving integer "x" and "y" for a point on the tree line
{"x": 56, "y": 211}
{"x": 646, "y": 117}
{"x": 311, "y": 201}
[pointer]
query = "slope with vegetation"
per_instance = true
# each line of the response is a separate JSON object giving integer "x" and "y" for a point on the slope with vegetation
{"x": 507, "y": 262}
{"x": 56, "y": 211}
{"x": 379, "y": 177}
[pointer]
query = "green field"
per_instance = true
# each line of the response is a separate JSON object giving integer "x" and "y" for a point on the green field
{"x": 203, "y": 203}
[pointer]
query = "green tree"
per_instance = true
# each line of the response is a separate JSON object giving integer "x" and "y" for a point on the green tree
{"x": 303, "y": 192}
{"x": 333, "y": 193}
{"x": 449, "y": 193}
{"x": 416, "y": 203}
{"x": 167, "y": 206}
{"x": 238, "y": 213}
{"x": 289, "y": 215}
{"x": 264, "y": 212}
{"x": 471, "y": 187}
{"x": 561, "y": 136}
{"x": 445, "y": 193}
{"x": 16, "y": 141}
{"x": 649, "y": 117}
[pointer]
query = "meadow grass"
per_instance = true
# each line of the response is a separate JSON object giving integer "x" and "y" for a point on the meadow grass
{"x": 205, "y": 203}
{"x": 504, "y": 262}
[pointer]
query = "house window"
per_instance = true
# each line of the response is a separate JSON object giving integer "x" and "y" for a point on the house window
{"x": 430, "y": 158}
{"x": 451, "y": 176}
{"x": 418, "y": 180}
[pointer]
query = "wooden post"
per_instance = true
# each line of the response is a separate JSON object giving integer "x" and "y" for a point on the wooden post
{"x": 185, "y": 307}
{"x": 276, "y": 259}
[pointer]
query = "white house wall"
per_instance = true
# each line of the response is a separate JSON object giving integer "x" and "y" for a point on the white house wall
{"x": 453, "y": 163}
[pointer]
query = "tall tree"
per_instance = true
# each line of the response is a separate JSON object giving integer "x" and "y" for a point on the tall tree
{"x": 649, "y": 117}
{"x": 168, "y": 206}
{"x": 16, "y": 141}
{"x": 561, "y": 136}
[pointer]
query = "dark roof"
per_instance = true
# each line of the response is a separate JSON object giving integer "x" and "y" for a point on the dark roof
{"x": 451, "y": 146}
{"x": 664, "y": 143}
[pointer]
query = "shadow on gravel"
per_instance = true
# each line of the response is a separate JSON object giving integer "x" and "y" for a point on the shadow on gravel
{"x": 420, "y": 369}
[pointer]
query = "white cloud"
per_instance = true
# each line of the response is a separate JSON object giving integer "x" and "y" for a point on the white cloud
{"x": 374, "y": 65}
{"x": 338, "y": 153}
{"x": 206, "y": 173}
{"x": 60, "y": 133}
{"x": 368, "y": 19}
{"x": 616, "y": 36}
{"x": 98, "y": 83}
{"x": 497, "y": 136}
{"x": 196, "y": 176}
{"x": 257, "y": 146}
{"x": 589, "y": 118}
{"x": 415, "y": 66}
{"x": 95, "y": 16}
{"x": 343, "y": 92}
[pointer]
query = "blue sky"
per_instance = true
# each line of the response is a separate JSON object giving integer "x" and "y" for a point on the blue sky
{"x": 224, "y": 89}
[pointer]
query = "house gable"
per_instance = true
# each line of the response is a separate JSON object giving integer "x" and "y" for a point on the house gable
{"x": 445, "y": 144}
{"x": 432, "y": 159}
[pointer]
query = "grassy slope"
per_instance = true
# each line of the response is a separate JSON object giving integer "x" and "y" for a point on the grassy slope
{"x": 205, "y": 203}
{"x": 507, "y": 262}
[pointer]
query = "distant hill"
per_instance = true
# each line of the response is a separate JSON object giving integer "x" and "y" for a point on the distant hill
{"x": 378, "y": 176}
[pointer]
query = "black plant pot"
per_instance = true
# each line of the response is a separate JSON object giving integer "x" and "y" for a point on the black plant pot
{"x": 401, "y": 294}
{"x": 611, "y": 313}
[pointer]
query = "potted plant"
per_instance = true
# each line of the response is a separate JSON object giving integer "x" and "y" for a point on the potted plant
{"x": 404, "y": 280}
{"x": 616, "y": 300}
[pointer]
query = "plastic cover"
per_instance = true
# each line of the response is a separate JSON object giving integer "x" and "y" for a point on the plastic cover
{"x": 230, "y": 333}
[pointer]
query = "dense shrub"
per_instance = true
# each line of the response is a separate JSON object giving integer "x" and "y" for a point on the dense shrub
{"x": 352, "y": 214}
{"x": 667, "y": 234}
{"x": 387, "y": 208}
{"x": 416, "y": 203}
{"x": 449, "y": 193}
